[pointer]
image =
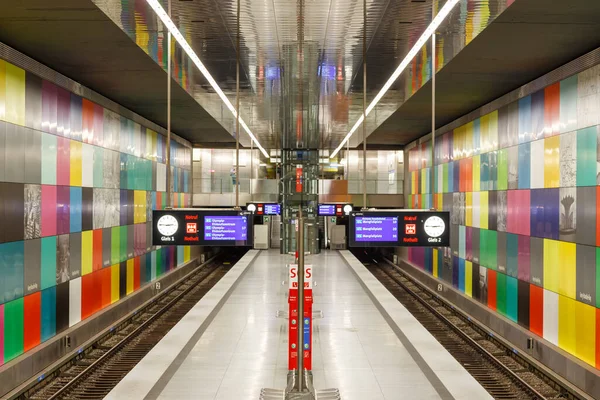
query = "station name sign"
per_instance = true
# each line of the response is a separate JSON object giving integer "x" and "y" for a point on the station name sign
{"x": 201, "y": 227}
{"x": 399, "y": 228}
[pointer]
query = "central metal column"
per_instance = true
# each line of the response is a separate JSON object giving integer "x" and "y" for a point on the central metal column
{"x": 301, "y": 386}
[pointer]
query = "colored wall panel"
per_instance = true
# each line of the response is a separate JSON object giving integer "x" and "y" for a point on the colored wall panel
{"x": 551, "y": 162}
{"x": 551, "y": 268}
{"x": 11, "y": 203}
{"x": 523, "y": 258}
{"x": 502, "y": 169}
{"x": 550, "y": 303}
{"x": 512, "y": 298}
{"x": 49, "y": 158}
{"x": 524, "y": 167}
{"x": 32, "y": 157}
{"x": 75, "y": 170}
{"x": 130, "y": 276}
{"x": 97, "y": 249}
{"x": 483, "y": 210}
{"x": 585, "y": 215}
{"x": 1, "y": 312}
{"x": 14, "y": 153}
{"x": 87, "y": 252}
{"x": 552, "y": 109}
{"x": 536, "y": 310}
{"x": 523, "y": 303}
{"x": 13, "y": 329}
{"x": 74, "y": 301}
{"x": 567, "y": 269}
{"x": 586, "y": 274}
{"x": 48, "y": 226}
{"x": 501, "y": 301}
{"x": 568, "y": 104}
{"x": 586, "y": 156}
{"x": 11, "y": 270}
{"x": 492, "y": 289}
{"x": 585, "y": 332}
{"x": 114, "y": 283}
{"x": 48, "y": 314}
{"x": 567, "y": 324}
{"x": 32, "y": 308}
{"x": 63, "y": 161}
{"x": 48, "y": 252}
{"x": 87, "y": 167}
{"x": 15, "y": 94}
{"x": 568, "y": 159}
{"x": 75, "y": 209}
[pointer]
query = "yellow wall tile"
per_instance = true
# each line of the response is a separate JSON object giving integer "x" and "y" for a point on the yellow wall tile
{"x": 114, "y": 283}
{"x": 186, "y": 253}
{"x": 87, "y": 252}
{"x": 469, "y": 150}
{"x": 15, "y": 95}
{"x": 469, "y": 278}
{"x": 2, "y": 89}
{"x": 567, "y": 324}
{"x": 130, "y": 272}
{"x": 567, "y": 269}
{"x": 435, "y": 262}
{"x": 75, "y": 165}
{"x": 585, "y": 339}
{"x": 551, "y": 161}
{"x": 483, "y": 210}
{"x": 551, "y": 261}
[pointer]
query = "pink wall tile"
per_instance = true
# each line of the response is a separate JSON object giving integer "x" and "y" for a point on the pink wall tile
{"x": 63, "y": 162}
{"x": 48, "y": 210}
{"x": 523, "y": 212}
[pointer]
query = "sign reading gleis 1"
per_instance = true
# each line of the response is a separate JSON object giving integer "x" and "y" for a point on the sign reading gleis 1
{"x": 201, "y": 227}
{"x": 399, "y": 228}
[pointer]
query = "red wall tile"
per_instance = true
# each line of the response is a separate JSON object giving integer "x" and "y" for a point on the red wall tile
{"x": 492, "y": 278}
{"x": 88, "y": 121}
{"x": 91, "y": 294}
{"x": 32, "y": 320}
{"x": 105, "y": 279}
{"x": 552, "y": 109}
{"x": 536, "y": 310}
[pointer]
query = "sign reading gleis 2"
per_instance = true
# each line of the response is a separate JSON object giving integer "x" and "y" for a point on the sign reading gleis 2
{"x": 399, "y": 228}
{"x": 201, "y": 227}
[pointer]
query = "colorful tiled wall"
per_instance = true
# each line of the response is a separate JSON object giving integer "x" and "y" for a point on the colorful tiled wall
{"x": 77, "y": 187}
{"x": 521, "y": 184}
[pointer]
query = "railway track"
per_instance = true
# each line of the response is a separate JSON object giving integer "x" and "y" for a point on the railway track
{"x": 496, "y": 367}
{"x": 101, "y": 366}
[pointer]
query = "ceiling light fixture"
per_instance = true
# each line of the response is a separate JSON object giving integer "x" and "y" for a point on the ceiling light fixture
{"x": 439, "y": 18}
{"x": 166, "y": 20}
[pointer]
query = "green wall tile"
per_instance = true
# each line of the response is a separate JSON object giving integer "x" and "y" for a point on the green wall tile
{"x": 501, "y": 293}
{"x": 502, "y": 169}
{"x": 48, "y": 252}
{"x": 586, "y": 156}
{"x": 98, "y": 167}
{"x": 13, "y": 329}
{"x": 512, "y": 298}
{"x": 115, "y": 245}
{"x": 445, "y": 170}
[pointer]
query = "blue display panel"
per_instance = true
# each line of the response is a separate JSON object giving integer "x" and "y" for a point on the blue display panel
{"x": 326, "y": 209}
{"x": 225, "y": 227}
{"x": 272, "y": 209}
{"x": 376, "y": 229}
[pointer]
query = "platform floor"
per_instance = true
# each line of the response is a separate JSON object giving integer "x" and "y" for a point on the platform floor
{"x": 244, "y": 348}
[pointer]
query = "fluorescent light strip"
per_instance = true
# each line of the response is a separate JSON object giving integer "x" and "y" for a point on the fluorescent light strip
{"x": 439, "y": 18}
{"x": 166, "y": 20}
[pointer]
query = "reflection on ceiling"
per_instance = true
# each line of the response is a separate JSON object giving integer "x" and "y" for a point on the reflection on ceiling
{"x": 333, "y": 27}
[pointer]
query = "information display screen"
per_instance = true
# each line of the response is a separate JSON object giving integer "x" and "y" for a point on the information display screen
{"x": 326, "y": 209}
{"x": 401, "y": 228}
{"x": 201, "y": 227}
{"x": 272, "y": 209}
{"x": 225, "y": 227}
{"x": 376, "y": 229}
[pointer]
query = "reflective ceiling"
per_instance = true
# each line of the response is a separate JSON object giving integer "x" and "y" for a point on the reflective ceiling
{"x": 335, "y": 26}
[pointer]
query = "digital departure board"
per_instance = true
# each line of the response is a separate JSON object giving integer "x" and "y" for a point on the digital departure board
{"x": 201, "y": 227}
{"x": 376, "y": 229}
{"x": 326, "y": 209}
{"x": 225, "y": 227}
{"x": 272, "y": 209}
{"x": 399, "y": 228}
